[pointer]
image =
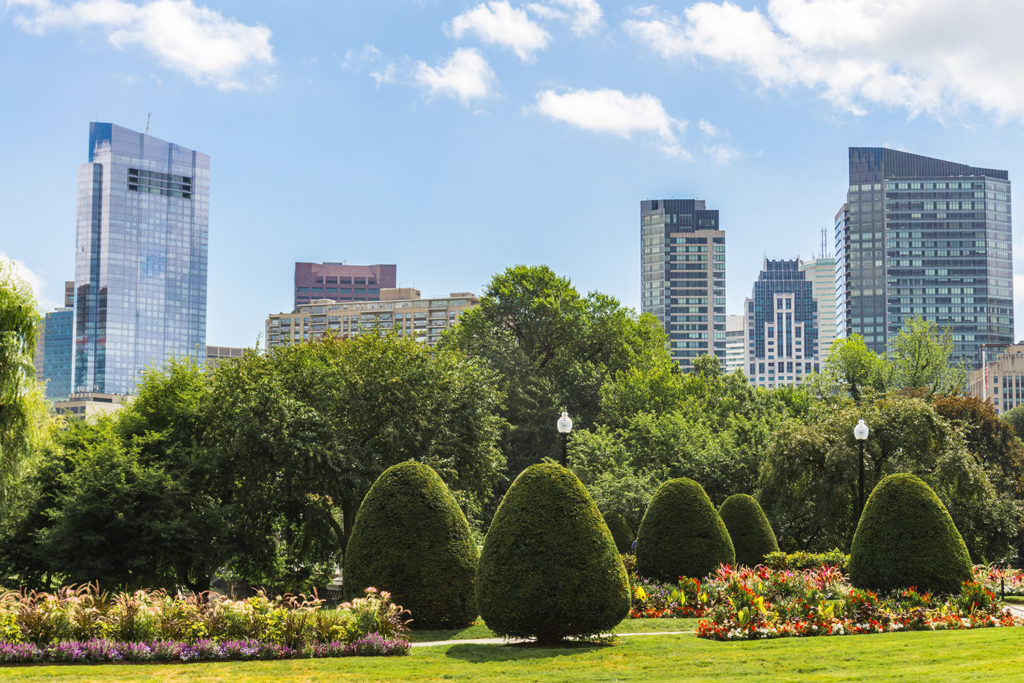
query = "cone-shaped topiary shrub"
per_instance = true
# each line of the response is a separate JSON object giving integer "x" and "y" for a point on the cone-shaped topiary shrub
{"x": 549, "y": 567}
{"x": 681, "y": 534}
{"x": 907, "y": 538}
{"x": 749, "y": 529}
{"x": 621, "y": 532}
{"x": 411, "y": 538}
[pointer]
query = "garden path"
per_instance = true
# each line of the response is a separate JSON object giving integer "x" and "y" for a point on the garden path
{"x": 513, "y": 641}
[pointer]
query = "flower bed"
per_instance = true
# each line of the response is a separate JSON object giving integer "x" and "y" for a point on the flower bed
{"x": 101, "y": 651}
{"x": 763, "y": 603}
{"x": 85, "y": 624}
{"x": 1000, "y": 580}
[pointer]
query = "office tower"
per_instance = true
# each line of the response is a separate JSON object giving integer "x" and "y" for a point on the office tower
{"x": 735, "y": 329}
{"x": 781, "y": 342}
{"x": 140, "y": 263}
{"x": 821, "y": 272}
{"x": 1000, "y": 378}
{"x": 924, "y": 237}
{"x": 399, "y": 309}
{"x": 216, "y": 354}
{"x": 682, "y": 275}
{"x": 54, "y": 345}
{"x": 341, "y": 282}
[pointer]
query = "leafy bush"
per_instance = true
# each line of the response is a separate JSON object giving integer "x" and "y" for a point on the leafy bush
{"x": 801, "y": 560}
{"x": 907, "y": 538}
{"x": 749, "y": 529}
{"x": 621, "y": 532}
{"x": 549, "y": 567}
{"x": 411, "y": 538}
{"x": 681, "y": 534}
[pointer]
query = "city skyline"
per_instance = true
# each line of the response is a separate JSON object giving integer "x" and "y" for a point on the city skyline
{"x": 332, "y": 127}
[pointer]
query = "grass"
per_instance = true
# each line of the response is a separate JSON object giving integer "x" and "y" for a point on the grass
{"x": 983, "y": 654}
{"x": 1015, "y": 599}
{"x": 479, "y": 630}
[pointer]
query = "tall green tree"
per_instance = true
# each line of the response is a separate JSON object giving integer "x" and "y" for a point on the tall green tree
{"x": 918, "y": 357}
{"x": 22, "y": 407}
{"x": 305, "y": 430}
{"x": 553, "y": 350}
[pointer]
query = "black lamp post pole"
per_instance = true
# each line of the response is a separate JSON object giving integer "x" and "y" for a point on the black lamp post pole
{"x": 565, "y": 448}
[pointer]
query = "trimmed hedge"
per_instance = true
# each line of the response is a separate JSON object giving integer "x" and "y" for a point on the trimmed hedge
{"x": 907, "y": 538}
{"x": 621, "y": 532}
{"x": 411, "y": 538}
{"x": 749, "y": 529}
{"x": 681, "y": 534}
{"x": 549, "y": 567}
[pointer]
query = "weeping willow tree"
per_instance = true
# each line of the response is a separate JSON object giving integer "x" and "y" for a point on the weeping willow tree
{"x": 22, "y": 406}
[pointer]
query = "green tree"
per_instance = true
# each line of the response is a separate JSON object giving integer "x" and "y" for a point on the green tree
{"x": 303, "y": 431}
{"x": 850, "y": 368}
{"x": 1015, "y": 418}
{"x": 22, "y": 407}
{"x": 553, "y": 350}
{"x": 918, "y": 357}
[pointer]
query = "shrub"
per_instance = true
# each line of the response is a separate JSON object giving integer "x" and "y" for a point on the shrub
{"x": 749, "y": 529}
{"x": 411, "y": 538}
{"x": 906, "y": 537}
{"x": 549, "y": 567}
{"x": 801, "y": 560}
{"x": 621, "y": 533}
{"x": 681, "y": 534}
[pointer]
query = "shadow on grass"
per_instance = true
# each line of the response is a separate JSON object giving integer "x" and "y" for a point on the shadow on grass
{"x": 519, "y": 651}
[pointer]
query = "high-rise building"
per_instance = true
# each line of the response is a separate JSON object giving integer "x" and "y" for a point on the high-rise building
{"x": 821, "y": 272}
{"x": 924, "y": 237}
{"x": 342, "y": 282}
{"x": 54, "y": 345}
{"x": 399, "y": 309}
{"x": 735, "y": 330}
{"x": 781, "y": 343}
{"x": 216, "y": 354}
{"x": 682, "y": 275}
{"x": 141, "y": 256}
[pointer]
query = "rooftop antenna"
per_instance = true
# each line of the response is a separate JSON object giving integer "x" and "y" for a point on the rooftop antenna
{"x": 824, "y": 243}
{"x": 147, "y": 122}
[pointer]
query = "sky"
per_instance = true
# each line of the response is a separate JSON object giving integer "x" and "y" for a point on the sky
{"x": 455, "y": 139}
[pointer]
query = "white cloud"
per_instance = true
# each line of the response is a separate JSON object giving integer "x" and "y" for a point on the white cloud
{"x": 356, "y": 59}
{"x": 199, "y": 42}
{"x": 722, "y": 155}
{"x": 583, "y": 16}
{"x": 498, "y": 23}
{"x": 389, "y": 74}
{"x": 707, "y": 128}
{"x": 466, "y": 76}
{"x": 919, "y": 55}
{"x": 614, "y": 112}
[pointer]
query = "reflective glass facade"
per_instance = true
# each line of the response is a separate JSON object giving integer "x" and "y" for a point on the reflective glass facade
{"x": 924, "y": 237}
{"x": 141, "y": 257}
{"x": 57, "y": 342}
{"x": 682, "y": 275}
{"x": 782, "y": 326}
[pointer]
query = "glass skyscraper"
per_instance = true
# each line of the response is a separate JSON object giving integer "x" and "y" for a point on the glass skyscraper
{"x": 141, "y": 257}
{"x": 682, "y": 275}
{"x": 924, "y": 237}
{"x": 781, "y": 342}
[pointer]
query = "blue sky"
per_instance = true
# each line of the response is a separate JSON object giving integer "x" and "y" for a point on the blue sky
{"x": 458, "y": 138}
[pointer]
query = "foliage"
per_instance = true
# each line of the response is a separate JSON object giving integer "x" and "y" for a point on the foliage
{"x": 751, "y": 533}
{"x": 907, "y": 538}
{"x": 411, "y": 538}
{"x": 682, "y": 534}
{"x": 303, "y": 431}
{"x": 549, "y": 567}
{"x": 808, "y": 479}
{"x": 918, "y": 358}
{"x": 87, "y": 613}
{"x": 22, "y": 406}
{"x": 553, "y": 350}
{"x": 991, "y": 440}
{"x": 1015, "y": 418}
{"x": 619, "y": 528}
{"x": 801, "y": 560}
{"x": 762, "y": 603}
{"x": 653, "y": 599}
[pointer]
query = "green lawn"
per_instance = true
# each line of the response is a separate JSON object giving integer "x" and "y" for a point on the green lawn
{"x": 479, "y": 630}
{"x": 984, "y": 654}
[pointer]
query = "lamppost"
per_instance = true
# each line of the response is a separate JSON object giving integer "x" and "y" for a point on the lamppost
{"x": 860, "y": 432}
{"x": 564, "y": 427}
